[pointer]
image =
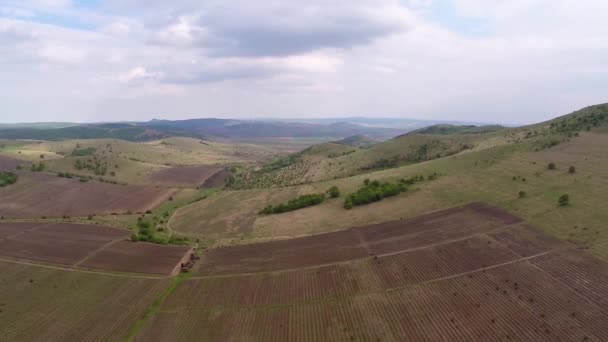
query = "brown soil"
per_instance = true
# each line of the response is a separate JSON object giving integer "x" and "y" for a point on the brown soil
{"x": 10, "y": 164}
{"x": 87, "y": 246}
{"x": 61, "y": 243}
{"x": 360, "y": 242}
{"x": 502, "y": 282}
{"x": 217, "y": 180}
{"x": 185, "y": 176}
{"x": 140, "y": 257}
{"x": 37, "y": 195}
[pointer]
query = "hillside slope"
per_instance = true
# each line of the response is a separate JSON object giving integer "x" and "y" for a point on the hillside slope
{"x": 513, "y": 174}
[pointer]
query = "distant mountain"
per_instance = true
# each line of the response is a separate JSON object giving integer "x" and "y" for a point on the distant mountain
{"x": 89, "y": 131}
{"x": 38, "y": 125}
{"x": 200, "y": 128}
{"x": 226, "y": 128}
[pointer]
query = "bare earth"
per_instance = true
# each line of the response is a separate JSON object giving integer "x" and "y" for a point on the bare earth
{"x": 474, "y": 273}
{"x": 36, "y": 195}
{"x": 87, "y": 246}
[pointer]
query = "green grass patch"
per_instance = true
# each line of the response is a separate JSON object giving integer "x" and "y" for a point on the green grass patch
{"x": 155, "y": 307}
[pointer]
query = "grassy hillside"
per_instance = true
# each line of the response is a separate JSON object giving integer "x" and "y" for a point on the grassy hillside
{"x": 456, "y": 129}
{"x": 130, "y": 162}
{"x": 509, "y": 169}
{"x": 336, "y": 160}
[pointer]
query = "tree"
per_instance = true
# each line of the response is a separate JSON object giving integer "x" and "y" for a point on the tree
{"x": 334, "y": 192}
{"x": 572, "y": 169}
{"x": 551, "y": 166}
{"x": 348, "y": 203}
{"x": 564, "y": 200}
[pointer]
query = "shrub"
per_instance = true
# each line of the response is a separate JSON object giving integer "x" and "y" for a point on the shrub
{"x": 7, "y": 178}
{"x": 334, "y": 192}
{"x": 294, "y": 204}
{"x": 373, "y": 192}
{"x": 522, "y": 194}
{"x": 348, "y": 204}
{"x": 563, "y": 200}
{"x": 37, "y": 168}
{"x": 551, "y": 166}
{"x": 572, "y": 169}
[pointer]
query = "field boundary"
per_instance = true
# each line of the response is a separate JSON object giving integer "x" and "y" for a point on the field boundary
{"x": 345, "y": 262}
{"x": 72, "y": 269}
{"x": 155, "y": 306}
{"x": 95, "y": 252}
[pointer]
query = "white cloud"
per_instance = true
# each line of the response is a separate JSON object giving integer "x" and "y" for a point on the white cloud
{"x": 138, "y": 74}
{"x": 137, "y": 59}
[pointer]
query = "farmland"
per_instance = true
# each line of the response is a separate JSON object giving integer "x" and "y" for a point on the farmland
{"x": 37, "y": 195}
{"x": 434, "y": 277}
{"x": 40, "y": 303}
{"x": 10, "y": 164}
{"x": 87, "y": 247}
{"x": 477, "y": 247}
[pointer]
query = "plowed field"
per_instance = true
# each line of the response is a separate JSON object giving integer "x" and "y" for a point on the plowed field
{"x": 474, "y": 273}
{"x": 37, "y": 195}
{"x": 86, "y": 246}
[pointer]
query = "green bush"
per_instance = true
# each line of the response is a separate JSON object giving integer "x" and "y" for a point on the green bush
{"x": 572, "y": 169}
{"x": 563, "y": 200}
{"x": 83, "y": 152}
{"x": 522, "y": 194}
{"x": 551, "y": 166}
{"x": 7, "y": 178}
{"x": 37, "y": 168}
{"x": 334, "y": 192}
{"x": 372, "y": 192}
{"x": 294, "y": 204}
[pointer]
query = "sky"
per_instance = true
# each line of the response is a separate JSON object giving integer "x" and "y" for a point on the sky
{"x": 503, "y": 61}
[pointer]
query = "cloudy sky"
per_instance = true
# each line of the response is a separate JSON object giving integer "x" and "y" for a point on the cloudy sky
{"x": 509, "y": 61}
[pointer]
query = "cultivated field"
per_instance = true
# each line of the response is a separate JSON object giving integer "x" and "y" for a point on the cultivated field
{"x": 40, "y": 303}
{"x": 474, "y": 273}
{"x": 9, "y": 164}
{"x": 87, "y": 246}
{"x": 37, "y": 194}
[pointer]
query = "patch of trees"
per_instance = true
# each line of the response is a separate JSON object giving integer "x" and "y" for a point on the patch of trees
{"x": 38, "y": 167}
{"x": 336, "y": 155}
{"x": 585, "y": 121}
{"x": 96, "y": 166}
{"x": 281, "y": 163}
{"x": 294, "y": 204}
{"x": 373, "y": 191}
{"x": 7, "y": 178}
{"x": 83, "y": 152}
{"x": 148, "y": 232}
{"x": 382, "y": 164}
